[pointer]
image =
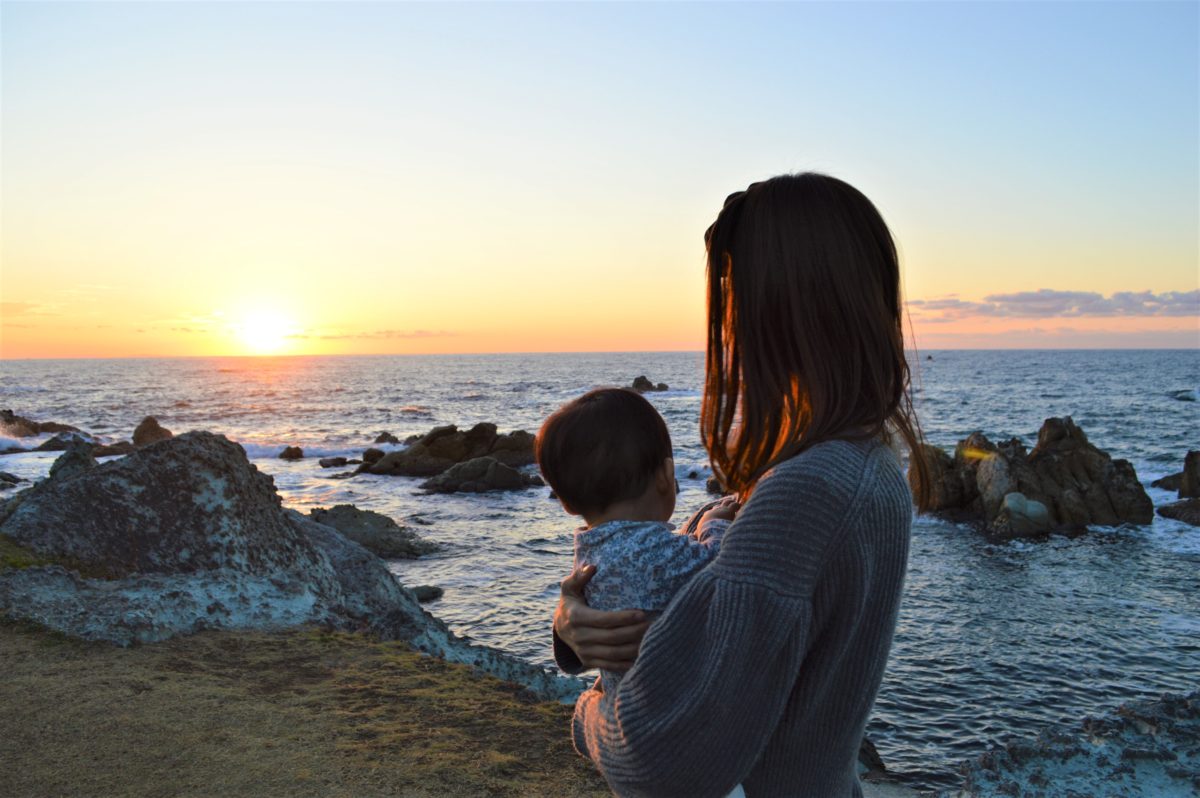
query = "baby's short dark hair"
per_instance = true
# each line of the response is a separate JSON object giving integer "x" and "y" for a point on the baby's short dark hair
{"x": 602, "y": 448}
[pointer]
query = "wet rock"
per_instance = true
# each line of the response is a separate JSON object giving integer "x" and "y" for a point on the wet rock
{"x": 1189, "y": 484}
{"x": 8, "y": 480}
{"x": 20, "y": 427}
{"x": 374, "y": 531}
{"x": 118, "y": 449}
{"x": 479, "y": 475}
{"x": 642, "y": 385}
{"x": 292, "y": 453}
{"x": 1169, "y": 482}
{"x": 1064, "y": 484}
{"x": 386, "y": 437}
{"x": 332, "y": 462}
{"x": 1186, "y": 510}
{"x": 1145, "y": 748}
{"x": 62, "y": 441}
{"x": 372, "y": 455}
{"x": 150, "y": 431}
{"x": 713, "y": 485}
{"x": 426, "y": 593}
{"x": 442, "y": 447}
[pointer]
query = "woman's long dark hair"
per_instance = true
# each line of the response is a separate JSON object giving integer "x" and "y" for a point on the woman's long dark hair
{"x": 805, "y": 335}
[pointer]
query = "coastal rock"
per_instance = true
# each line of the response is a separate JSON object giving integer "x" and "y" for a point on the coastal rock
{"x": 1189, "y": 484}
{"x": 150, "y": 431}
{"x": 1169, "y": 482}
{"x": 479, "y": 475}
{"x": 75, "y": 460}
{"x": 118, "y": 449}
{"x": 62, "y": 441}
{"x": 332, "y": 462}
{"x": 188, "y": 535}
{"x": 713, "y": 485}
{"x": 1186, "y": 510}
{"x": 1064, "y": 485}
{"x": 426, "y": 593}
{"x": 292, "y": 453}
{"x": 371, "y": 456}
{"x": 386, "y": 437}
{"x": 373, "y": 531}
{"x": 442, "y": 447}
{"x": 642, "y": 385}
{"x": 1145, "y": 748}
{"x": 20, "y": 427}
{"x": 8, "y": 480}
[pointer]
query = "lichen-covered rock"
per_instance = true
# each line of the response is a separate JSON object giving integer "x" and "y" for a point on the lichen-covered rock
{"x": 76, "y": 459}
{"x": 1146, "y": 749}
{"x": 478, "y": 476}
{"x": 1064, "y": 484}
{"x": 374, "y": 531}
{"x": 150, "y": 431}
{"x": 1185, "y": 510}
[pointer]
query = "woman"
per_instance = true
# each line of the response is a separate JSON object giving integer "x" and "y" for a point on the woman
{"x": 763, "y": 669}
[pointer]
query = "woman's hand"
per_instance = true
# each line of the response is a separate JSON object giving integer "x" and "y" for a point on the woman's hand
{"x": 600, "y": 639}
{"x": 726, "y": 509}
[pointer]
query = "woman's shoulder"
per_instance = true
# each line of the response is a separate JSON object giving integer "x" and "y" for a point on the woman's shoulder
{"x": 836, "y": 469}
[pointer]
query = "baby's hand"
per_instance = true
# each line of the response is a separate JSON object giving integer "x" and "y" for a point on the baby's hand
{"x": 725, "y": 509}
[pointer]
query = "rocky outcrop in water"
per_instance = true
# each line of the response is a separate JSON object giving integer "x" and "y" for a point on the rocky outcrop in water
{"x": 374, "y": 531}
{"x": 150, "y": 431}
{"x": 187, "y": 535}
{"x": 291, "y": 453}
{"x": 1187, "y": 511}
{"x": 442, "y": 447}
{"x": 8, "y": 480}
{"x": 479, "y": 476}
{"x": 20, "y": 427}
{"x": 643, "y": 385}
{"x": 1064, "y": 485}
{"x": 1145, "y": 748}
{"x": 386, "y": 437}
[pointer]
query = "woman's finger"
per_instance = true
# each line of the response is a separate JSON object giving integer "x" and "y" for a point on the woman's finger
{"x": 582, "y": 615}
{"x": 573, "y": 585}
{"x": 609, "y": 665}
{"x": 627, "y": 652}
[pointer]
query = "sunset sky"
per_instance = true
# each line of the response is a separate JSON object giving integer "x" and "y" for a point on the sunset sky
{"x": 227, "y": 178}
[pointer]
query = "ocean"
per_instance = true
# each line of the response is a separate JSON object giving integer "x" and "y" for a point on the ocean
{"x": 993, "y": 640}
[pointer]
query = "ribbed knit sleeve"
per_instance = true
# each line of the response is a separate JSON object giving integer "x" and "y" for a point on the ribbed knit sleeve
{"x": 715, "y": 672}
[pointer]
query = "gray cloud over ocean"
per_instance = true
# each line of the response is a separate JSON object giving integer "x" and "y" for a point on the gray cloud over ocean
{"x": 1048, "y": 303}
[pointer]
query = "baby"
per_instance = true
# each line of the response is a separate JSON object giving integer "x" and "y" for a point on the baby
{"x": 608, "y": 457}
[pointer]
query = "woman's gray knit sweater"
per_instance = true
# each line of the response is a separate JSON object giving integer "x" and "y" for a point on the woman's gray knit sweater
{"x": 763, "y": 669}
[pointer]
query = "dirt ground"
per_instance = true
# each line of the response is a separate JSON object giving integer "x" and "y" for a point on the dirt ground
{"x": 298, "y": 713}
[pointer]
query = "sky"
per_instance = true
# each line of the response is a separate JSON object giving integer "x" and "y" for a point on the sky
{"x": 312, "y": 178}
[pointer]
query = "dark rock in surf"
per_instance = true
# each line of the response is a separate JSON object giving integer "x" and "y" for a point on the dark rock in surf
{"x": 332, "y": 462}
{"x": 1064, "y": 484}
{"x": 478, "y": 476}
{"x": 374, "y": 531}
{"x": 118, "y": 449}
{"x": 1186, "y": 510}
{"x": 20, "y": 427}
{"x": 8, "y": 480}
{"x": 426, "y": 593}
{"x": 1169, "y": 482}
{"x": 714, "y": 486}
{"x": 643, "y": 385}
{"x": 442, "y": 447}
{"x": 76, "y": 460}
{"x": 1189, "y": 484}
{"x": 371, "y": 456}
{"x": 150, "y": 431}
{"x": 386, "y": 437}
{"x": 292, "y": 453}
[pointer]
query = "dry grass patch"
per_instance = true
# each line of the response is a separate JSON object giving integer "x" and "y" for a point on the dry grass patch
{"x": 300, "y": 713}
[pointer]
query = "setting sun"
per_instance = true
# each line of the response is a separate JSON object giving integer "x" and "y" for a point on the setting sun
{"x": 265, "y": 332}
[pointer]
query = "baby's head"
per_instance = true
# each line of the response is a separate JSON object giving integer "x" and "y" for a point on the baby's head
{"x": 608, "y": 455}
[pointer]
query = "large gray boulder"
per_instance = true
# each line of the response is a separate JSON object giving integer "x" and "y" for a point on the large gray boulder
{"x": 187, "y": 534}
{"x": 1064, "y": 484}
{"x": 374, "y": 531}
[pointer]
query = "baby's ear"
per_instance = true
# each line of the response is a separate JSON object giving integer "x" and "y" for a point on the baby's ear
{"x": 666, "y": 475}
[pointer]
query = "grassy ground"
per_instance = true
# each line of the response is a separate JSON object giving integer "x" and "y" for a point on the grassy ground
{"x": 299, "y": 713}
